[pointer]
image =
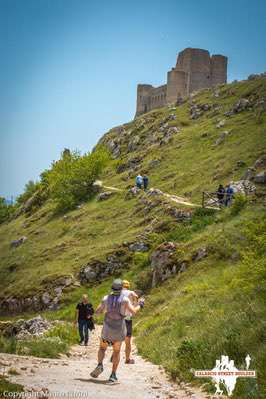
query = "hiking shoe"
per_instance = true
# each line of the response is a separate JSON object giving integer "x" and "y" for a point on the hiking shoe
{"x": 130, "y": 361}
{"x": 81, "y": 343}
{"x": 97, "y": 371}
{"x": 113, "y": 378}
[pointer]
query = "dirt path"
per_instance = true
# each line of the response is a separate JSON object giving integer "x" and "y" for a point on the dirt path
{"x": 70, "y": 375}
{"x": 171, "y": 197}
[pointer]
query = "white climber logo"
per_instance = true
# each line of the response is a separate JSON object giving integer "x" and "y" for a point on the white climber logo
{"x": 226, "y": 373}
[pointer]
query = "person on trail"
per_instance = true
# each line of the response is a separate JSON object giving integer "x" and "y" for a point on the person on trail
{"x": 145, "y": 182}
{"x": 83, "y": 317}
{"x": 229, "y": 193}
{"x": 133, "y": 297}
{"x": 114, "y": 330}
{"x": 220, "y": 194}
{"x": 139, "y": 181}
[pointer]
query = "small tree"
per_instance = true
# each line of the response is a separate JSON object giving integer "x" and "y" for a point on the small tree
{"x": 30, "y": 188}
{"x": 71, "y": 178}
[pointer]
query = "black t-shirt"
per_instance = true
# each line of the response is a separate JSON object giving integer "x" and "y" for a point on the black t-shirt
{"x": 84, "y": 310}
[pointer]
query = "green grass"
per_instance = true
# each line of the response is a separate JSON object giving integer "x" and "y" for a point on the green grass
{"x": 217, "y": 306}
{"x": 6, "y": 386}
{"x": 55, "y": 342}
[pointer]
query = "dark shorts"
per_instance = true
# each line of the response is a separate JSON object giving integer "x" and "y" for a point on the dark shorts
{"x": 129, "y": 327}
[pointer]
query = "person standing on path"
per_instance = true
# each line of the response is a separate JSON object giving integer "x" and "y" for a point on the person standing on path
{"x": 139, "y": 181}
{"x": 220, "y": 194}
{"x": 83, "y": 317}
{"x": 145, "y": 182}
{"x": 114, "y": 330}
{"x": 229, "y": 193}
{"x": 133, "y": 297}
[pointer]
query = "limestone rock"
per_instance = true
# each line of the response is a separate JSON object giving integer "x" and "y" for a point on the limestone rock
{"x": 133, "y": 144}
{"x": 221, "y": 138}
{"x": 138, "y": 247}
{"x": 132, "y": 192}
{"x": 179, "y": 214}
{"x": 104, "y": 196}
{"x": 248, "y": 175}
{"x": 220, "y": 124}
{"x": 162, "y": 262}
{"x": 241, "y": 105}
{"x": 23, "y": 329}
{"x": 243, "y": 187}
{"x": 199, "y": 254}
{"x": 96, "y": 270}
{"x": 17, "y": 243}
{"x": 154, "y": 192}
{"x": 260, "y": 177}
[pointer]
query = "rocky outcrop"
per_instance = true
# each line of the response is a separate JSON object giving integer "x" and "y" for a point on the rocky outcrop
{"x": 132, "y": 192}
{"x": 97, "y": 270}
{"x": 163, "y": 262}
{"x": 49, "y": 298}
{"x": 138, "y": 246}
{"x": 105, "y": 195}
{"x": 221, "y": 138}
{"x": 241, "y": 105}
{"x": 179, "y": 214}
{"x": 17, "y": 243}
{"x": 24, "y": 329}
{"x": 196, "y": 110}
{"x": 260, "y": 178}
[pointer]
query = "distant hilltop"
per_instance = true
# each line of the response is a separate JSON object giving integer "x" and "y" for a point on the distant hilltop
{"x": 195, "y": 69}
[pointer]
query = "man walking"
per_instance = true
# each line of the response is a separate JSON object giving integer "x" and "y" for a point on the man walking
{"x": 114, "y": 330}
{"x": 83, "y": 317}
{"x": 220, "y": 194}
{"x": 145, "y": 182}
{"x": 229, "y": 193}
{"x": 139, "y": 181}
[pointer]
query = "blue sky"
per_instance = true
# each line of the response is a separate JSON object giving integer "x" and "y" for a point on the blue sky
{"x": 69, "y": 68}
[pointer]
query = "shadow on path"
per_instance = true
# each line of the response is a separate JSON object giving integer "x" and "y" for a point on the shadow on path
{"x": 94, "y": 381}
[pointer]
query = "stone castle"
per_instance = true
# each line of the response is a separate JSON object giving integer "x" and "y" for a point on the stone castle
{"x": 195, "y": 69}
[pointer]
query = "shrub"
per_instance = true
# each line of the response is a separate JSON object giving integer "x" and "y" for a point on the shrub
{"x": 238, "y": 204}
{"x": 5, "y": 210}
{"x": 30, "y": 188}
{"x": 71, "y": 178}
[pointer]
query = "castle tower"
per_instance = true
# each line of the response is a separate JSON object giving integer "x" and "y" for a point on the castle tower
{"x": 218, "y": 69}
{"x": 143, "y": 98}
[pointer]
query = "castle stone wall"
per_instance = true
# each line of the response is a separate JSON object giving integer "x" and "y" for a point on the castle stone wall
{"x": 177, "y": 85}
{"x": 195, "y": 69}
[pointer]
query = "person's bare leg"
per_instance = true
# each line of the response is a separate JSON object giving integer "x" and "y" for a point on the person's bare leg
{"x": 116, "y": 355}
{"x": 101, "y": 351}
{"x": 128, "y": 347}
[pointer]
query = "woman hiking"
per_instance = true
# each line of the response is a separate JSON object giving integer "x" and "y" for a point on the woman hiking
{"x": 114, "y": 329}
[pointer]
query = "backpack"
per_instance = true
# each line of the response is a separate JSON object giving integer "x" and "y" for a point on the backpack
{"x": 114, "y": 303}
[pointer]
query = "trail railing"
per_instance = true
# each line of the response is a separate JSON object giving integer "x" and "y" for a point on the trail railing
{"x": 210, "y": 199}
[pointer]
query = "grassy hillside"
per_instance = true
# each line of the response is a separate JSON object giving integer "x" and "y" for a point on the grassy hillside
{"x": 217, "y": 305}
